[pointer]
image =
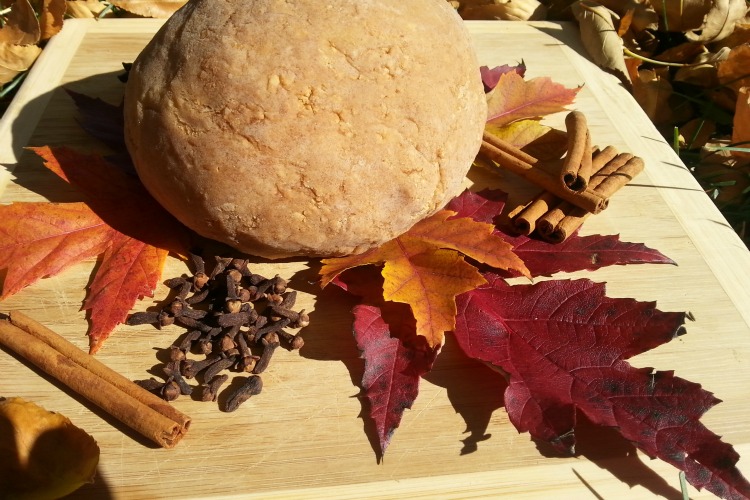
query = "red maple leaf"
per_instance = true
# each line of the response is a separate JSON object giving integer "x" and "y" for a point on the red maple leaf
{"x": 393, "y": 367}
{"x": 43, "y": 239}
{"x": 563, "y": 346}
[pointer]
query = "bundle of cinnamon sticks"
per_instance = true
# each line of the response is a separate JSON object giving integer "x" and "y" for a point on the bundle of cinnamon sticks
{"x": 587, "y": 178}
{"x": 134, "y": 406}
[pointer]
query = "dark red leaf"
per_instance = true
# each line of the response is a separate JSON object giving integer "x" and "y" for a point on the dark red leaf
{"x": 482, "y": 206}
{"x": 563, "y": 346}
{"x": 578, "y": 253}
{"x": 393, "y": 367}
{"x": 104, "y": 121}
{"x": 490, "y": 76}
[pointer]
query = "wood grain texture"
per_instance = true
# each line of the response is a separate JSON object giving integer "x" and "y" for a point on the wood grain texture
{"x": 303, "y": 437}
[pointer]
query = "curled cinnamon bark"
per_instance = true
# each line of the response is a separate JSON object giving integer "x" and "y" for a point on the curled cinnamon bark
{"x": 563, "y": 220}
{"x": 523, "y": 164}
{"x": 577, "y": 165}
{"x": 114, "y": 393}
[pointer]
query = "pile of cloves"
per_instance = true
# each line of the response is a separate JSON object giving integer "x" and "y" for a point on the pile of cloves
{"x": 236, "y": 318}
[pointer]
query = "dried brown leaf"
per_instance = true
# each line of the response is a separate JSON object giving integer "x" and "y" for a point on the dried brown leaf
{"x": 741, "y": 126}
{"x": 681, "y": 15}
{"x": 507, "y": 10}
{"x": 15, "y": 59}
{"x": 21, "y": 27}
{"x": 600, "y": 38}
{"x": 150, "y": 8}
{"x": 722, "y": 167}
{"x": 702, "y": 71}
{"x": 740, "y": 35}
{"x": 682, "y": 53}
{"x": 642, "y": 14}
{"x": 696, "y": 133}
{"x": 734, "y": 72}
{"x": 720, "y": 21}
{"x": 51, "y": 18}
{"x": 652, "y": 90}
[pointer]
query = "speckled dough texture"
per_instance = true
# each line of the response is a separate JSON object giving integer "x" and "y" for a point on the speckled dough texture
{"x": 305, "y": 127}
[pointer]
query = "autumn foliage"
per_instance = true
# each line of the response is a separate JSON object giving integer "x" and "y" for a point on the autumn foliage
{"x": 562, "y": 344}
{"x": 42, "y": 239}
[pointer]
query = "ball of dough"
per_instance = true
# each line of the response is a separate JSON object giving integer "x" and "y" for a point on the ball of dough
{"x": 305, "y": 127}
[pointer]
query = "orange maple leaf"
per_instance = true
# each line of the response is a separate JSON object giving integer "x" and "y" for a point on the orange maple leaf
{"x": 515, "y": 98}
{"x": 42, "y": 239}
{"x": 424, "y": 267}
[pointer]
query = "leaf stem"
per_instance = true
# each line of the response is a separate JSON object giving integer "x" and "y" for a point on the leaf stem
{"x": 683, "y": 486}
{"x": 13, "y": 84}
{"x": 630, "y": 53}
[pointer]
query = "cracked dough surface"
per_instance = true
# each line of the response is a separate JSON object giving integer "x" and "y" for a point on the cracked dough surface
{"x": 305, "y": 127}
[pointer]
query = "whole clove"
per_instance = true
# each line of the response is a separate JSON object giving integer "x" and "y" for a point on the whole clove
{"x": 235, "y": 318}
{"x": 270, "y": 342}
{"x": 211, "y": 389}
{"x": 252, "y": 386}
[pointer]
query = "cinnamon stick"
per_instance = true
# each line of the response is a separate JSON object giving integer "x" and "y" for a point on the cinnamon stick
{"x": 523, "y": 164}
{"x": 134, "y": 406}
{"x": 577, "y": 164}
{"x": 624, "y": 174}
{"x": 524, "y": 218}
{"x": 556, "y": 225}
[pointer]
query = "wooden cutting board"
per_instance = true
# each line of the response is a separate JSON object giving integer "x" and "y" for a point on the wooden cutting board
{"x": 304, "y": 436}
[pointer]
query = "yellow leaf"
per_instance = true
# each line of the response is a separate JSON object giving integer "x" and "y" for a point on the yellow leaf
{"x": 424, "y": 269}
{"x": 428, "y": 281}
{"x": 474, "y": 239}
{"x": 42, "y": 454}
{"x": 540, "y": 141}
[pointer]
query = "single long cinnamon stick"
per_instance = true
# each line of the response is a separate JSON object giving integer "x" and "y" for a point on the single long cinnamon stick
{"x": 517, "y": 162}
{"x": 577, "y": 165}
{"x": 111, "y": 391}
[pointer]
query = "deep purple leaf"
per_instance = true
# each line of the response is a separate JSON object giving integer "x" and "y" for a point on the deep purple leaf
{"x": 578, "y": 253}
{"x": 393, "y": 368}
{"x": 563, "y": 346}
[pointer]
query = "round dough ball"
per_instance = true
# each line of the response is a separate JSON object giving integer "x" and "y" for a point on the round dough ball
{"x": 305, "y": 127}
